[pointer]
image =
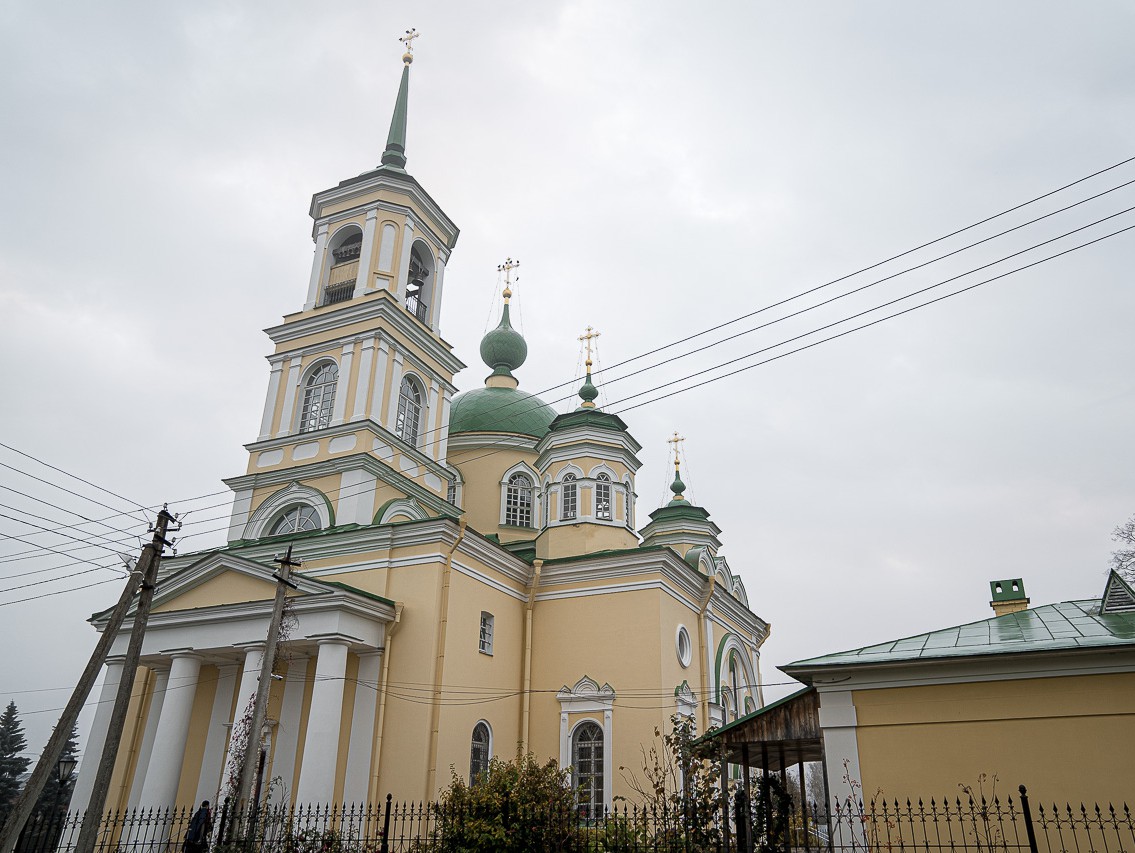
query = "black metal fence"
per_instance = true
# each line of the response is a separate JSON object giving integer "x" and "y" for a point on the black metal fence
{"x": 1012, "y": 825}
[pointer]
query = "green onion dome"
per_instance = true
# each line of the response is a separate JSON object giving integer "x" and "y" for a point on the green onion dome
{"x": 500, "y": 409}
{"x": 503, "y": 349}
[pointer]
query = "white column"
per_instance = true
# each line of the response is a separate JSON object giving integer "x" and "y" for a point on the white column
{"x": 287, "y": 412}
{"x": 435, "y": 309}
{"x": 164, "y": 772}
{"x": 565, "y": 747}
{"x": 92, "y": 752}
{"x": 365, "y": 380}
{"x": 270, "y": 400}
{"x": 608, "y": 756}
{"x": 379, "y": 382}
{"x": 288, "y": 727}
{"x": 443, "y": 431}
{"x": 363, "y": 280}
{"x": 242, "y": 508}
{"x": 146, "y": 749}
{"x": 362, "y": 728}
{"x": 346, "y": 356}
{"x": 429, "y": 447}
{"x": 212, "y": 762}
{"x": 321, "y": 746}
{"x": 395, "y": 385}
{"x": 356, "y": 497}
{"x": 316, "y": 266}
{"x": 404, "y": 263}
{"x": 246, "y": 688}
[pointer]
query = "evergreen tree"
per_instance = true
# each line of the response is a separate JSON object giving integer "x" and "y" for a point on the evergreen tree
{"x": 49, "y": 815}
{"x": 12, "y": 763}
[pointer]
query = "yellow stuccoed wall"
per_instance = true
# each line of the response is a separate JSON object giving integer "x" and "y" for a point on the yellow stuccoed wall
{"x": 1065, "y": 738}
{"x": 482, "y": 471}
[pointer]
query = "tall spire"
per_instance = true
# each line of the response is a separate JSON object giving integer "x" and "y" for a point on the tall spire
{"x": 395, "y": 154}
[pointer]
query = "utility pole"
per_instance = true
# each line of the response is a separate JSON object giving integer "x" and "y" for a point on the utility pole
{"x": 260, "y": 705}
{"x": 148, "y": 565}
{"x": 25, "y": 802}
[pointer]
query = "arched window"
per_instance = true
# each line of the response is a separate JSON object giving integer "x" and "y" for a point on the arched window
{"x": 417, "y": 288}
{"x": 409, "y": 412}
{"x": 344, "y": 266}
{"x": 569, "y": 498}
{"x": 319, "y": 397}
{"x": 480, "y": 750}
{"x": 295, "y": 519}
{"x": 518, "y": 501}
{"x": 587, "y": 769}
{"x": 603, "y": 497}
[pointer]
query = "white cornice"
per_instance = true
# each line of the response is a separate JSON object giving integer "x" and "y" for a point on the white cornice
{"x": 585, "y": 447}
{"x": 380, "y": 180}
{"x": 478, "y": 440}
{"x": 379, "y": 307}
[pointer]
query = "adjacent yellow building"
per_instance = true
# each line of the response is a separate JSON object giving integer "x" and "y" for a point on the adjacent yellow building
{"x": 472, "y": 581}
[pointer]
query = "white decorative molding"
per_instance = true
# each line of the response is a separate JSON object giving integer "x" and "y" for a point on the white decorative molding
{"x": 295, "y": 493}
{"x": 270, "y": 400}
{"x": 342, "y": 443}
{"x": 365, "y": 379}
{"x": 339, "y": 407}
{"x": 287, "y": 411}
{"x": 433, "y": 481}
{"x": 386, "y": 247}
{"x": 307, "y": 450}
{"x": 366, "y": 254}
{"x": 356, "y": 497}
{"x": 316, "y": 265}
{"x": 405, "y": 507}
{"x": 269, "y": 458}
{"x": 587, "y": 697}
{"x": 242, "y": 507}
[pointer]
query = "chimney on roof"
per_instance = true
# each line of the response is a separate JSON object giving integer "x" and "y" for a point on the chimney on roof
{"x": 1008, "y": 596}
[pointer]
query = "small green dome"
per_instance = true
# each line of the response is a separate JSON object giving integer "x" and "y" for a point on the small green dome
{"x": 588, "y": 392}
{"x": 503, "y": 349}
{"x": 500, "y": 410}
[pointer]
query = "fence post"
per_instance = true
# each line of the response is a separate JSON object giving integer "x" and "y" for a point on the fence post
{"x": 1028, "y": 817}
{"x": 744, "y": 823}
{"x": 385, "y": 848}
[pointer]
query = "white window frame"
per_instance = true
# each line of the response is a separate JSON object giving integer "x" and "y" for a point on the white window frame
{"x": 326, "y": 401}
{"x": 306, "y": 512}
{"x": 569, "y": 488}
{"x": 685, "y": 656}
{"x": 406, "y": 405}
{"x": 592, "y": 805}
{"x": 505, "y": 499}
{"x": 485, "y": 634}
{"x": 603, "y": 481}
{"x": 587, "y": 697}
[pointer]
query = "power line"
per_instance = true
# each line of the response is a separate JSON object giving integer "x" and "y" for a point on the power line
{"x": 74, "y": 477}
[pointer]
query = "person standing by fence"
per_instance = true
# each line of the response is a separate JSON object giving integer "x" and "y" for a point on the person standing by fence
{"x": 200, "y": 827}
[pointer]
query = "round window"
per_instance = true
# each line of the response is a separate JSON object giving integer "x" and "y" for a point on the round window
{"x": 684, "y": 648}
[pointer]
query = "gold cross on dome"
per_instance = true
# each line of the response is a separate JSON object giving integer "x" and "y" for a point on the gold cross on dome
{"x": 507, "y": 267}
{"x": 676, "y": 440}
{"x": 408, "y": 39}
{"x": 591, "y": 333}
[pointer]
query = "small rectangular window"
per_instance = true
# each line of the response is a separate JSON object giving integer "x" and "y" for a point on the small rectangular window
{"x": 570, "y": 502}
{"x": 486, "y": 641}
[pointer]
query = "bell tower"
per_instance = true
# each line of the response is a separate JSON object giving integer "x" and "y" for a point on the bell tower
{"x": 361, "y": 381}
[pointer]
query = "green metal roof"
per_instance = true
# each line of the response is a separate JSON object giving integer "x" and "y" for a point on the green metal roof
{"x": 1069, "y": 625}
{"x": 589, "y": 418}
{"x": 500, "y": 410}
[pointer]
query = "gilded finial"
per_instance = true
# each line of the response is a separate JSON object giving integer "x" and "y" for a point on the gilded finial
{"x": 507, "y": 267}
{"x": 677, "y": 487}
{"x": 408, "y": 40}
{"x": 588, "y": 392}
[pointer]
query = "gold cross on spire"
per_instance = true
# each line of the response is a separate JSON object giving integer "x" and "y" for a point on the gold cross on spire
{"x": 507, "y": 267}
{"x": 591, "y": 333}
{"x": 408, "y": 40}
{"x": 676, "y": 440}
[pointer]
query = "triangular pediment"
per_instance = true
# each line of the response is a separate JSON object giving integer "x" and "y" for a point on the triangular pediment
{"x": 221, "y": 578}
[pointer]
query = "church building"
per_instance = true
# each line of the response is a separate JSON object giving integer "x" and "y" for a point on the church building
{"x": 475, "y": 576}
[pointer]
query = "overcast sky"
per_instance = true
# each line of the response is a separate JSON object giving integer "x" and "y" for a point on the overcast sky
{"x": 658, "y": 171}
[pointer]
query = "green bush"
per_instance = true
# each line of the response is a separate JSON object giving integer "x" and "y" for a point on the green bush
{"x": 516, "y": 805}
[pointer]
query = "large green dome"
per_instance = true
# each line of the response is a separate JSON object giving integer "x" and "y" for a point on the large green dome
{"x": 500, "y": 410}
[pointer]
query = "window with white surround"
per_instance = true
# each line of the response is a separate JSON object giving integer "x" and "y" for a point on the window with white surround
{"x": 603, "y": 497}
{"x": 480, "y": 750}
{"x": 409, "y": 421}
{"x": 518, "y": 501}
{"x": 587, "y": 768}
{"x": 684, "y": 646}
{"x": 485, "y": 644}
{"x": 319, "y": 397}
{"x": 569, "y": 498}
{"x": 295, "y": 519}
